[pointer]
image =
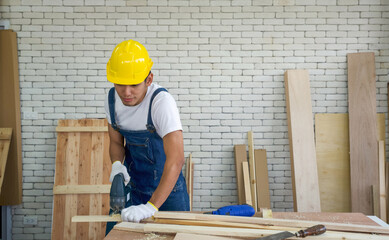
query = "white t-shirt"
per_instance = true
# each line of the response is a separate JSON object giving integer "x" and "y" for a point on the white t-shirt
{"x": 164, "y": 113}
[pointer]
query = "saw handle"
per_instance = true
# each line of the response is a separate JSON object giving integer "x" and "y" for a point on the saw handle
{"x": 315, "y": 230}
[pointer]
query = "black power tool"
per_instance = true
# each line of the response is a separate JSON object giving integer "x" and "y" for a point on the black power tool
{"x": 117, "y": 195}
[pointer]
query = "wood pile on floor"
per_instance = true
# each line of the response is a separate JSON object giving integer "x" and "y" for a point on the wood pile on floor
{"x": 246, "y": 227}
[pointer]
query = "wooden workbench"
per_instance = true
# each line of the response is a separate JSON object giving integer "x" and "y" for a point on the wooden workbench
{"x": 354, "y": 218}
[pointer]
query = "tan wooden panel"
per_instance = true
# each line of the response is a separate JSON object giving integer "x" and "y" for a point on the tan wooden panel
{"x": 363, "y": 134}
{"x": 240, "y": 156}
{"x": 333, "y": 159}
{"x": 262, "y": 179}
{"x": 305, "y": 183}
{"x": 332, "y": 151}
{"x": 11, "y": 191}
{"x": 82, "y": 159}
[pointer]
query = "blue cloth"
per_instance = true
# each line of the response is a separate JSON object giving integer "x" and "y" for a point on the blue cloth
{"x": 145, "y": 159}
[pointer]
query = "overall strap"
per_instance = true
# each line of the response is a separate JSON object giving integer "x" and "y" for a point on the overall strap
{"x": 150, "y": 125}
{"x": 111, "y": 104}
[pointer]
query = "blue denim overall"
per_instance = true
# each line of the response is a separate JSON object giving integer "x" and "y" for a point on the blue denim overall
{"x": 145, "y": 159}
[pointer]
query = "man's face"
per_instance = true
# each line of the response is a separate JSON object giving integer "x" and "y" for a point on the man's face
{"x": 132, "y": 95}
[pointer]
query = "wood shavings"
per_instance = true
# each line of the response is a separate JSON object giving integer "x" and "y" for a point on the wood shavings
{"x": 151, "y": 236}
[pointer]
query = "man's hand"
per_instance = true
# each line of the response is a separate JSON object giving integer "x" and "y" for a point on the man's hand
{"x": 138, "y": 212}
{"x": 118, "y": 167}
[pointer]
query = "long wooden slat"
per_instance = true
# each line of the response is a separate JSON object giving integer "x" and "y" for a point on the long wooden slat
{"x": 82, "y": 129}
{"x": 246, "y": 183}
{"x": 382, "y": 187}
{"x": 253, "y": 184}
{"x": 5, "y": 140}
{"x": 11, "y": 191}
{"x": 189, "y": 179}
{"x": 82, "y": 160}
{"x": 234, "y": 232}
{"x": 333, "y": 159}
{"x": 262, "y": 179}
{"x": 240, "y": 156}
{"x": 81, "y": 189}
{"x": 274, "y": 222}
{"x": 363, "y": 134}
{"x": 96, "y": 218}
{"x": 305, "y": 183}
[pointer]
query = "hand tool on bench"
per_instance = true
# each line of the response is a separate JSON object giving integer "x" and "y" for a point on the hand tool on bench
{"x": 235, "y": 210}
{"x": 117, "y": 195}
{"x": 315, "y": 230}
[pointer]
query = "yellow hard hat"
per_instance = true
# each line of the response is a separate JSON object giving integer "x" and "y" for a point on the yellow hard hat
{"x": 129, "y": 64}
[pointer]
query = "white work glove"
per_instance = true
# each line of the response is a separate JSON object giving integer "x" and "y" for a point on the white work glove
{"x": 118, "y": 167}
{"x": 138, "y": 212}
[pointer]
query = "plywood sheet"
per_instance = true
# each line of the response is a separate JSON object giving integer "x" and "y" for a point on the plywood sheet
{"x": 301, "y": 142}
{"x": 240, "y": 156}
{"x": 262, "y": 179}
{"x": 82, "y": 158}
{"x": 333, "y": 159}
{"x": 11, "y": 191}
{"x": 363, "y": 130}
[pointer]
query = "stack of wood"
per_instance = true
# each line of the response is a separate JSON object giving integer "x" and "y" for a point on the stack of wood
{"x": 209, "y": 226}
{"x": 252, "y": 175}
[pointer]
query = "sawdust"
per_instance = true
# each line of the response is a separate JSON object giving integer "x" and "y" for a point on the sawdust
{"x": 151, "y": 236}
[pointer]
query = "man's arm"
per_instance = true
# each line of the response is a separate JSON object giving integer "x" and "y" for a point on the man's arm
{"x": 116, "y": 145}
{"x": 173, "y": 145}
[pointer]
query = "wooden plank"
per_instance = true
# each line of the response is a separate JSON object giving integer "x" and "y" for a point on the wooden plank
{"x": 333, "y": 159}
{"x": 274, "y": 222}
{"x": 363, "y": 134}
{"x": 253, "y": 188}
{"x": 11, "y": 191}
{"x": 332, "y": 151}
{"x": 97, "y": 218}
{"x": 82, "y": 160}
{"x": 382, "y": 187}
{"x": 262, "y": 179}
{"x": 306, "y": 196}
{"x": 240, "y": 156}
{"x": 246, "y": 183}
{"x": 81, "y": 189}
{"x": 343, "y": 217}
{"x": 189, "y": 179}
{"x": 234, "y": 232}
{"x": 191, "y": 236}
{"x": 82, "y": 129}
{"x": 5, "y": 140}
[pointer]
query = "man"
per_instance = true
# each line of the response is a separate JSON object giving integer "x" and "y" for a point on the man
{"x": 146, "y": 142}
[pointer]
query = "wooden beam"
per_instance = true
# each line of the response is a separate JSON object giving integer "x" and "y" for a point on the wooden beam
{"x": 81, "y": 189}
{"x": 97, "y": 218}
{"x": 240, "y": 156}
{"x": 82, "y": 129}
{"x": 382, "y": 187}
{"x": 252, "y": 170}
{"x": 363, "y": 130}
{"x": 305, "y": 183}
{"x": 246, "y": 183}
{"x": 262, "y": 179}
{"x": 5, "y": 141}
{"x": 189, "y": 179}
{"x": 273, "y": 222}
{"x": 233, "y": 232}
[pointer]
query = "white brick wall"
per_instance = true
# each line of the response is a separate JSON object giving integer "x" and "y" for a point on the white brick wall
{"x": 222, "y": 60}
